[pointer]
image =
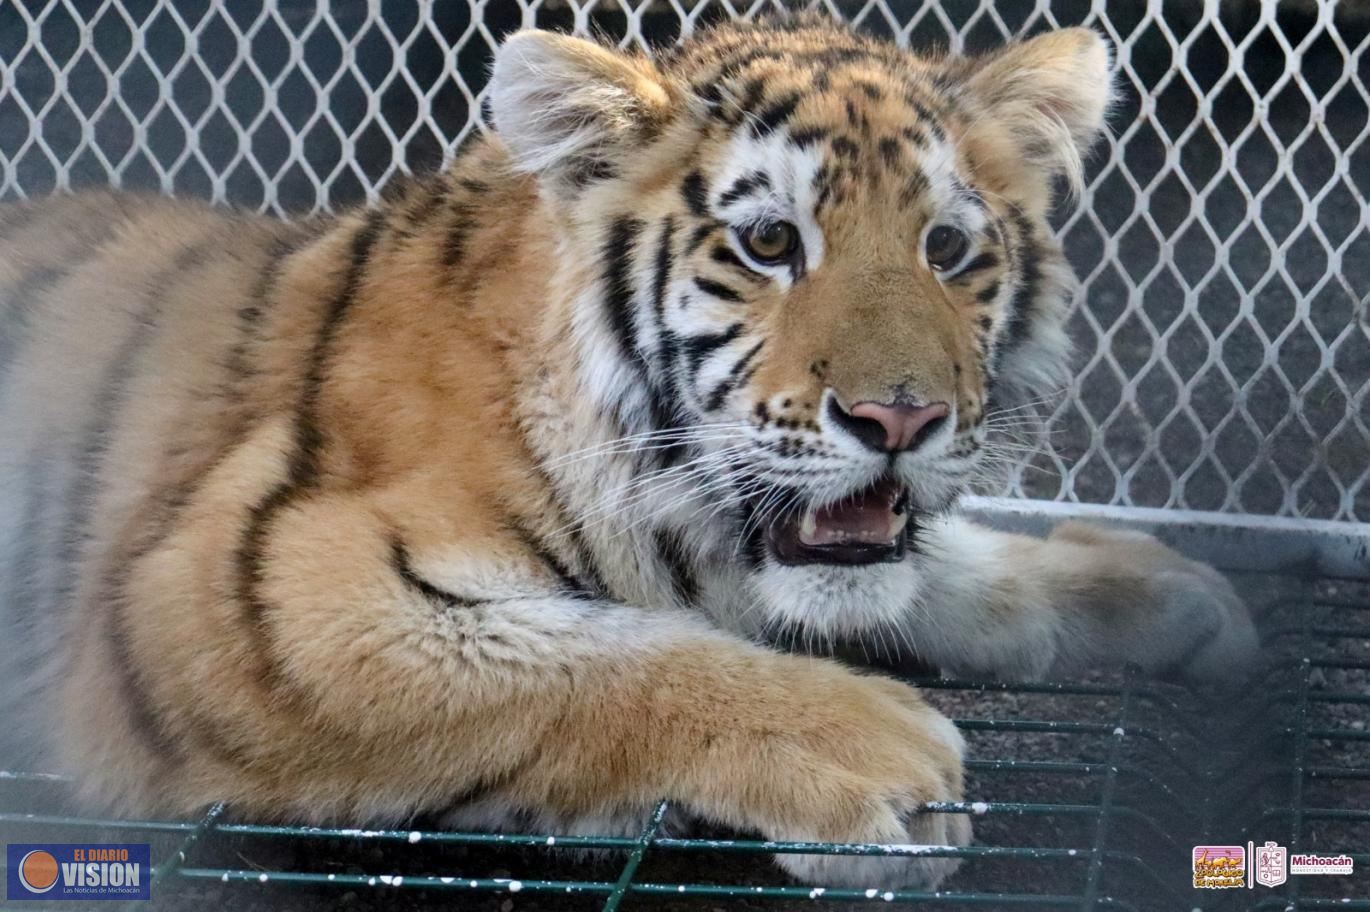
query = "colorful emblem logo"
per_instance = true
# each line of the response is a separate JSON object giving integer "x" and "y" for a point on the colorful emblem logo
{"x": 1219, "y": 867}
{"x": 1272, "y": 867}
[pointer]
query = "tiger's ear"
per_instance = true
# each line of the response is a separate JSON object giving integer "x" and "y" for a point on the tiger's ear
{"x": 1048, "y": 96}
{"x": 568, "y": 109}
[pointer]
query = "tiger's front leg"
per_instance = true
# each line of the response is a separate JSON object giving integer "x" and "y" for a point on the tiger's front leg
{"x": 374, "y": 672}
{"x": 1018, "y": 607}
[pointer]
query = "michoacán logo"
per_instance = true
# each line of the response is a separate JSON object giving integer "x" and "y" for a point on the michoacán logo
{"x": 50, "y": 871}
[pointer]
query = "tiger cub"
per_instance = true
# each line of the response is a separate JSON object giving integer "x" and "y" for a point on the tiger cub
{"x": 483, "y": 502}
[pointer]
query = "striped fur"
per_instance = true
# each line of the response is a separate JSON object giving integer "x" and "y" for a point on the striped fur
{"x": 453, "y": 505}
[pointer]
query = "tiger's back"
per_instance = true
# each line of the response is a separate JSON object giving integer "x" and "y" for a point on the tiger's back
{"x": 122, "y": 373}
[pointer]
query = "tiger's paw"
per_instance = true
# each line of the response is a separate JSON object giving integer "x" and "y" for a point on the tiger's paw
{"x": 1180, "y": 618}
{"x": 876, "y": 790}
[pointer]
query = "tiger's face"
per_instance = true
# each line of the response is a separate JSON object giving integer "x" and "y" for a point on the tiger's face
{"x": 825, "y": 255}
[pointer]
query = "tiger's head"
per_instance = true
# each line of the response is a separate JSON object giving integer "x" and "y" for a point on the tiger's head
{"x": 831, "y": 253}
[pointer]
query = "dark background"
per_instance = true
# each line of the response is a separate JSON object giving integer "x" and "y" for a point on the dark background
{"x": 1224, "y": 345}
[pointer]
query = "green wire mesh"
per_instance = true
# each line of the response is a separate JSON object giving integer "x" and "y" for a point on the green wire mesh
{"x": 1085, "y": 794}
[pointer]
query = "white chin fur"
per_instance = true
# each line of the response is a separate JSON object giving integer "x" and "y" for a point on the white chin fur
{"x": 837, "y": 601}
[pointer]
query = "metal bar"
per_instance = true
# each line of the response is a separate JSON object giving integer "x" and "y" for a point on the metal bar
{"x": 1074, "y": 728}
{"x": 1296, "y": 822}
{"x": 153, "y": 826}
{"x": 630, "y": 867}
{"x": 176, "y": 860}
{"x": 1259, "y": 544}
{"x": 1096, "y": 853}
{"x": 399, "y": 881}
{"x": 504, "y": 885}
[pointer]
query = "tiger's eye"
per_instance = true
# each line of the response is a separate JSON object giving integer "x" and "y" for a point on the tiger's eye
{"x": 946, "y": 246}
{"x": 770, "y": 242}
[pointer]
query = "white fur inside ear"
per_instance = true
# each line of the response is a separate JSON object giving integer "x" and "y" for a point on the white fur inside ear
{"x": 558, "y": 101}
{"x": 1054, "y": 91}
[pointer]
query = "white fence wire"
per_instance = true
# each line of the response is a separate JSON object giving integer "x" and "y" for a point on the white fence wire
{"x": 1224, "y": 239}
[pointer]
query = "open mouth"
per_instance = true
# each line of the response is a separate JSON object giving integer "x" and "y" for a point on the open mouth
{"x": 868, "y": 527}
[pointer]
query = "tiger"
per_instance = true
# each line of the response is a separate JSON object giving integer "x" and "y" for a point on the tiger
{"x": 493, "y": 501}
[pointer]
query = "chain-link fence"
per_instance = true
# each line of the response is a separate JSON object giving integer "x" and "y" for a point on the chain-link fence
{"x": 1224, "y": 340}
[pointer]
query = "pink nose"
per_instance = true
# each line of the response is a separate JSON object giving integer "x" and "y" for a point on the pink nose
{"x": 906, "y": 425}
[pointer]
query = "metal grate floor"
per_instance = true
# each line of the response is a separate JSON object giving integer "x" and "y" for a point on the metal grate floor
{"x": 1086, "y": 795}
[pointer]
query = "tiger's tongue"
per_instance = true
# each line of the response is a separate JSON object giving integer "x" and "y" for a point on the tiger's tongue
{"x": 875, "y": 516}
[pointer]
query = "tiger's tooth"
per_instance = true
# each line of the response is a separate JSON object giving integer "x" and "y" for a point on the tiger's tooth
{"x": 897, "y": 523}
{"x": 808, "y": 525}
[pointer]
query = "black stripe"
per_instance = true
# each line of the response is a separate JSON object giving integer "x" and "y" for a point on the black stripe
{"x": 458, "y": 230}
{"x": 671, "y": 552}
{"x": 845, "y": 147}
{"x": 891, "y": 152}
{"x": 618, "y": 286}
{"x": 856, "y": 118}
{"x": 871, "y": 90}
{"x": 751, "y": 97}
{"x": 915, "y": 184}
{"x": 399, "y": 563}
{"x": 757, "y": 180}
{"x": 25, "y": 299}
{"x": 146, "y": 721}
{"x": 15, "y": 217}
{"x": 925, "y": 114}
{"x": 95, "y": 442}
{"x": 21, "y": 582}
{"x": 569, "y": 584}
{"x": 418, "y": 213}
{"x": 661, "y": 277}
{"x": 697, "y": 348}
{"x": 666, "y": 393}
{"x": 808, "y": 136}
{"x": 239, "y": 364}
{"x": 725, "y": 256}
{"x": 696, "y": 194}
{"x": 700, "y": 235}
{"x": 717, "y": 289}
{"x": 774, "y": 115}
{"x": 916, "y": 136}
{"x": 590, "y": 575}
{"x": 987, "y": 259}
{"x": 730, "y": 382}
{"x": 987, "y": 294}
{"x": 1025, "y": 295}
{"x": 303, "y": 467}
{"x": 581, "y": 172}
